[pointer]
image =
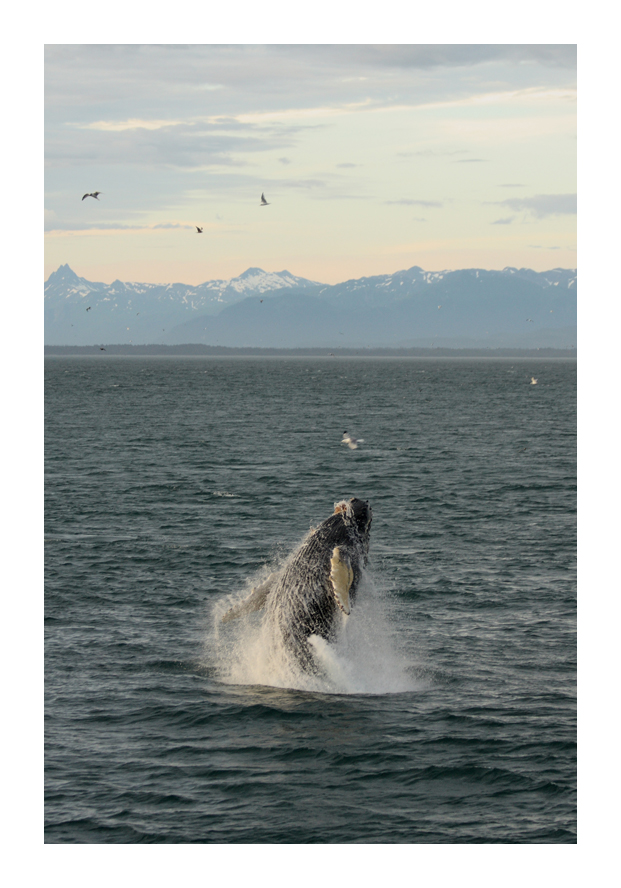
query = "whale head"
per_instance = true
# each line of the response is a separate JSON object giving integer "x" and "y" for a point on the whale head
{"x": 358, "y": 514}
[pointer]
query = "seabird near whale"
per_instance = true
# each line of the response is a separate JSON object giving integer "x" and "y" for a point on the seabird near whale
{"x": 94, "y": 194}
{"x": 351, "y": 442}
{"x": 264, "y": 203}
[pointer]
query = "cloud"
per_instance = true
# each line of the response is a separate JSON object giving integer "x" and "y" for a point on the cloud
{"x": 347, "y": 166}
{"x": 428, "y": 152}
{"x": 284, "y": 160}
{"x": 68, "y": 226}
{"x": 471, "y": 160}
{"x": 156, "y": 81}
{"x": 432, "y": 55}
{"x": 411, "y": 203}
{"x": 542, "y": 205}
{"x": 512, "y": 185}
{"x": 119, "y": 126}
{"x": 506, "y": 221}
{"x": 541, "y": 247}
{"x": 195, "y": 143}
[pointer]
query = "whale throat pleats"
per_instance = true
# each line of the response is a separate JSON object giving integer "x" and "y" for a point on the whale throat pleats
{"x": 341, "y": 577}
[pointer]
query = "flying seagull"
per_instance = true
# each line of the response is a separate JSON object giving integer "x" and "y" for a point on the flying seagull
{"x": 94, "y": 194}
{"x": 351, "y": 442}
{"x": 101, "y": 348}
{"x": 533, "y": 381}
{"x": 89, "y": 308}
{"x": 199, "y": 230}
{"x": 264, "y": 203}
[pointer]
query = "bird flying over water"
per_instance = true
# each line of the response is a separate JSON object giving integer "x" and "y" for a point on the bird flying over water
{"x": 533, "y": 381}
{"x": 101, "y": 348}
{"x": 199, "y": 230}
{"x": 264, "y": 203}
{"x": 351, "y": 442}
{"x": 89, "y": 308}
{"x": 94, "y": 194}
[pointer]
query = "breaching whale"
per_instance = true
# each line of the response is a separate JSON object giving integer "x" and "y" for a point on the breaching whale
{"x": 317, "y": 584}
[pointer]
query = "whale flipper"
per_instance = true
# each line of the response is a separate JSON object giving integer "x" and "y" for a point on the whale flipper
{"x": 341, "y": 578}
{"x": 254, "y": 602}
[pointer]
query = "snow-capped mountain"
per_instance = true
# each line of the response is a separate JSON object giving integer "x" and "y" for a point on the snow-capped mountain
{"x": 464, "y": 308}
{"x": 78, "y": 311}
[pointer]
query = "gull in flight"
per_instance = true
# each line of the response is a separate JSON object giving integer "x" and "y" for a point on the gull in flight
{"x": 199, "y": 230}
{"x": 89, "y": 308}
{"x": 530, "y": 319}
{"x": 264, "y": 203}
{"x": 533, "y": 381}
{"x": 94, "y": 194}
{"x": 351, "y": 442}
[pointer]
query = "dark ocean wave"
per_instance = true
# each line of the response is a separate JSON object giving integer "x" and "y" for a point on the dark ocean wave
{"x": 449, "y": 713}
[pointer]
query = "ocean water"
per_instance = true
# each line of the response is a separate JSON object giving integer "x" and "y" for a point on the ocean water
{"x": 446, "y": 711}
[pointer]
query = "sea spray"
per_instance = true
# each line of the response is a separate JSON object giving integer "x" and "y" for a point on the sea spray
{"x": 364, "y": 659}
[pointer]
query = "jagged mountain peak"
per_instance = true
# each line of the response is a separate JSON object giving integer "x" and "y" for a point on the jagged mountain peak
{"x": 62, "y": 273}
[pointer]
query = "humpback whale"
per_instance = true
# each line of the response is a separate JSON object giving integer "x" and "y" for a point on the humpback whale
{"x": 316, "y": 588}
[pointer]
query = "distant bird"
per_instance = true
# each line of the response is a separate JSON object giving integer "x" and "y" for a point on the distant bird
{"x": 101, "y": 348}
{"x": 351, "y": 442}
{"x": 439, "y": 306}
{"x": 264, "y": 203}
{"x": 94, "y": 194}
{"x": 199, "y": 230}
{"x": 533, "y": 381}
{"x": 89, "y": 308}
{"x": 530, "y": 319}
{"x": 260, "y": 300}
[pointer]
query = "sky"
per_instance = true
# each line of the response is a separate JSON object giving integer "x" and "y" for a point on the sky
{"x": 373, "y": 158}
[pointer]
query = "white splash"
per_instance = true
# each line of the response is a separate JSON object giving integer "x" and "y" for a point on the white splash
{"x": 365, "y": 660}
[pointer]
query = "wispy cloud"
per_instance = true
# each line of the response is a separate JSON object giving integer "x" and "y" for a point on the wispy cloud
{"x": 120, "y": 126}
{"x": 506, "y": 221}
{"x": 471, "y": 160}
{"x": 52, "y": 225}
{"x": 542, "y": 205}
{"x": 412, "y": 203}
{"x": 430, "y": 152}
{"x": 534, "y": 94}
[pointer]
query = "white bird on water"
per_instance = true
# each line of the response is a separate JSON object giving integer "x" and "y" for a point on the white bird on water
{"x": 351, "y": 442}
{"x": 533, "y": 381}
{"x": 264, "y": 203}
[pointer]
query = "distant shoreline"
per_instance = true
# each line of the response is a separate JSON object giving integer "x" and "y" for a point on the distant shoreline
{"x": 198, "y": 350}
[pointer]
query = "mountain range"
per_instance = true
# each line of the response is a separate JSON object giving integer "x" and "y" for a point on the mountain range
{"x": 467, "y": 308}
